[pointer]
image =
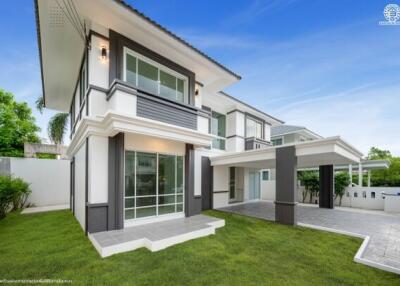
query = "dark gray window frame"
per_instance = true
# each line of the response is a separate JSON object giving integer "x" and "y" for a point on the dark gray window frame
{"x": 116, "y": 57}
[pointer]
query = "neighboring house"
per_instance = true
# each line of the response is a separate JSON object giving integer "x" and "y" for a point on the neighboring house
{"x": 285, "y": 134}
{"x": 292, "y": 134}
{"x": 153, "y": 137}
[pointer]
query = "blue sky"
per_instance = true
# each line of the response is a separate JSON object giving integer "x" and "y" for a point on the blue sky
{"x": 323, "y": 64}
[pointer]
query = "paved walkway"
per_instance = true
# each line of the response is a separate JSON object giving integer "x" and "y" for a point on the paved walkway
{"x": 383, "y": 229}
{"x": 154, "y": 236}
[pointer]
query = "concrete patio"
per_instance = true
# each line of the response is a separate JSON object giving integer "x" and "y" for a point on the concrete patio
{"x": 154, "y": 236}
{"x": 383, "y": 230}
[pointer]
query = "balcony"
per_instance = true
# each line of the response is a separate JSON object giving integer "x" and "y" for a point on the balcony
{"x": 252, "y": 143}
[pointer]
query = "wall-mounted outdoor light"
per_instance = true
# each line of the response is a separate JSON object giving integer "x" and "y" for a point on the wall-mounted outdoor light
{"x": 196, "y": 91}
{"x": 103, "y": 53}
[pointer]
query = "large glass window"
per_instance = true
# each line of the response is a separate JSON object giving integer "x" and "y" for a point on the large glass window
{"x": 253, "y": 128}
{"x": 155, "y": 78}
{"x": 277, "y": 141}
{"x": 153, "y": 184}
{"x": 218, "y": 128}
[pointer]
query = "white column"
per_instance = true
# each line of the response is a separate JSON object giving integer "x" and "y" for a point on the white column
{"x": 359, "y": 175}
{"x": 369, "y": 178}
{"x": 351, "y": 174}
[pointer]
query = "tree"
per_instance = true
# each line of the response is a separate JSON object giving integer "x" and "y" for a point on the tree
{"x": 387, "y": 177}
{"x": 310, "y": 180}
{"x": 378, "y": 154}
{"x": 40, "y": 104}
{"x": 342, "y": 180}
{"x": 17, "y": 126}
{"x": 57, "y": 125}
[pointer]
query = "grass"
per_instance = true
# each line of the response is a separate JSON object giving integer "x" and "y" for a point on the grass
{"x": 246, "y": 251}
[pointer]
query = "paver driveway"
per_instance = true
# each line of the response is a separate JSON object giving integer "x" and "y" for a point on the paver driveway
{"x": 383, "y": 229}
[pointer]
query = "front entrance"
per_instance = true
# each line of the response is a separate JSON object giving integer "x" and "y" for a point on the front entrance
{"x": 154, "y": 185}
{"x": 254, "y": 185}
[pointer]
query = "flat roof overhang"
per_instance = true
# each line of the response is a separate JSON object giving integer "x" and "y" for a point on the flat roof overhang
{"x": 61, "y": 47}
{"x": 327, "y": 151}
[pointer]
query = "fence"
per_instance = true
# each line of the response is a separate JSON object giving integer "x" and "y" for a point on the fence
{"x": 49, "y": 179}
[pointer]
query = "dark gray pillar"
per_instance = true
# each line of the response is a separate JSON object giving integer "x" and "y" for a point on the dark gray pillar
{"x": 116, "y": 157}
{"x": 192, "y": 202}
{"x": 326, "y": 186}
{"x": 286, "y": 186}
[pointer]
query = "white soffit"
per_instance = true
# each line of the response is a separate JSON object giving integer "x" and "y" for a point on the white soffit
{"x": 62, "y": 50}
{"x": 329, "y": 151}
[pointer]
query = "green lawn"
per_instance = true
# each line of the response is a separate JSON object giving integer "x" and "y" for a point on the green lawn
{"x": 246, "y": 251}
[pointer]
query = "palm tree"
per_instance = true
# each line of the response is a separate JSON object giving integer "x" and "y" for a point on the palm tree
{"x": 57, "y": 124}
{"x": 57, "y": 127}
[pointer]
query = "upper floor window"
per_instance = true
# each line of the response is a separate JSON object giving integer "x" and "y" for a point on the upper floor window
{"x": 218, "y": 128}
{"x": 277, "y": 141}
{"x": 253, "y": 128}
{"x": 154, "y": 78}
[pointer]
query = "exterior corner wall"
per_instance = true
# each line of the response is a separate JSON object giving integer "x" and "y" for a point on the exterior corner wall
{"x": 203, "y": 124}
{"x": 123, "y": 103}
{"x": 98, "y": 69}
{"x": 98, "y": 170}
{"x": 220, "y": 186}
{"x": 80, "y": 186}
{"x": 267, "y": 132}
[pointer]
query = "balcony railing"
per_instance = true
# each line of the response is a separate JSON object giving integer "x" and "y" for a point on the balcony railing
{"x": 252, "y": 143}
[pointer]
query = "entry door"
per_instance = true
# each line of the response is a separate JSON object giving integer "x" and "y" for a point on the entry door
{"x": 254, "y": 185}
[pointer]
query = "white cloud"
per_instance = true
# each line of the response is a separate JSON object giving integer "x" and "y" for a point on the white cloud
{"x": 365, "y": 118}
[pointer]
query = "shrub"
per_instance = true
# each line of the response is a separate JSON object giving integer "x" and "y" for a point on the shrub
{"x": 20, "y": 190}
{"x": 13, "y": 194}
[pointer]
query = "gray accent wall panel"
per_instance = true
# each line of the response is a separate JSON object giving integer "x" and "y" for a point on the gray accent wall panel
{"x": 206, "y": 183}
{"x": 192, "y": 202}
{"x": 326, "y": 186}
{"x": 116, "y": 181}
{"x": 166, "y": 113}
{"x": 286, "y": 185}
{"x": 98, "y": 218}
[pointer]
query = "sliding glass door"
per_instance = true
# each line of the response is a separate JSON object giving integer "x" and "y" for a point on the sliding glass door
{"x": 153, "y": 184}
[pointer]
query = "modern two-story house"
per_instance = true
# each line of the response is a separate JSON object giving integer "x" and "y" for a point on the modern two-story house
{"x": 153, "y": 135}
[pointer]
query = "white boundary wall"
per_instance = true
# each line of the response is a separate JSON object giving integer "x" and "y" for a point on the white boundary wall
{"x": 49, "y": 179}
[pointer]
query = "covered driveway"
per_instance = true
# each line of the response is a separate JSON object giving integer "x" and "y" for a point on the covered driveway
{"x": 286, "y": 159}
{"x": 383, "y": 230}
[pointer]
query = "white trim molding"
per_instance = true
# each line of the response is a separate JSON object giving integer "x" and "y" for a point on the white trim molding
{"x": 113, "y": 123}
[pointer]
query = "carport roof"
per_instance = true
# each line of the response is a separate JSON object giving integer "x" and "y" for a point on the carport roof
{"x": 327, "y": 151}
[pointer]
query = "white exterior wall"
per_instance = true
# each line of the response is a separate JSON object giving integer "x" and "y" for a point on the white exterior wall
{"x": 198, "y": 98}
{"x": 235, "y": 127}
{"x": 80, "y": 173}
{"x": 98, "y": 69}
{"x": 268, "y": 189}
{"x": 392, "y": 204}
{"x": 123, "y": 102}
{"x": 49, "y": 179}
{"x": 267, "y": 132}
{"x": 220, "y": 186}
{"x": 98, "y": 170}
{"x": 136, "y": 142}
{"x": 98, "y": 105}
{"x": 378, "y": 203}
{"x": 203, "y": 124}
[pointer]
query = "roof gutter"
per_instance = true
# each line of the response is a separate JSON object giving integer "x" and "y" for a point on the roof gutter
{"x": 35, "y": 2}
